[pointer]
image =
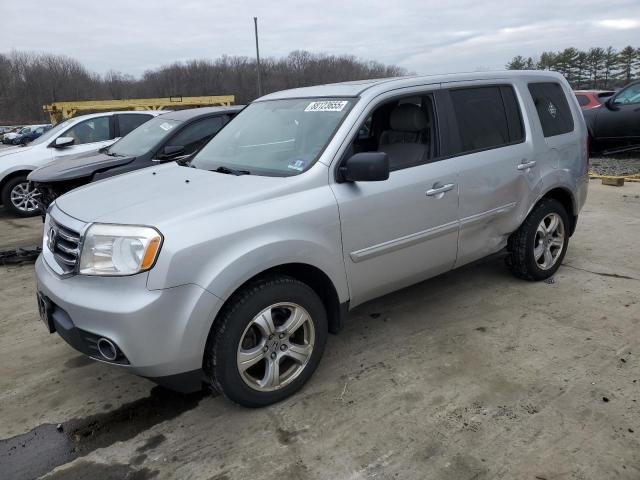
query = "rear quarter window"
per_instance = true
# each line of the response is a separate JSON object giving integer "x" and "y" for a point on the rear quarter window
{"x": 552, "y": 107}
{"x": 130, "y": 121}
{"x": 583, "y": 100}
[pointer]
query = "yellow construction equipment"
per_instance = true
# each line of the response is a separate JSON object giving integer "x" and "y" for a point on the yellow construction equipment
{"x": 59, "y": 111}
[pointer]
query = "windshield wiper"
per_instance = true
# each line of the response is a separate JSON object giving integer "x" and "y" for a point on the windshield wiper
{"x": 233, "y": 171}
{"x": 184, "y": 162}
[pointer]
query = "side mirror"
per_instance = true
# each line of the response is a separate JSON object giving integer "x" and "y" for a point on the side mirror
{"x": 610, "y": 105}
{"x": 365, "y": 167}
{"x": 170, "y": 151}
{"x": 62, "y": 142}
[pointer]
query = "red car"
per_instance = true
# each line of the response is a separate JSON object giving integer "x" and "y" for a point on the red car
{"x": 592, "y": 98}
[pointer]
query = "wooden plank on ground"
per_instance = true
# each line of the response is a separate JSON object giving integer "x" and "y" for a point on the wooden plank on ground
{"x": 614, "y": 181}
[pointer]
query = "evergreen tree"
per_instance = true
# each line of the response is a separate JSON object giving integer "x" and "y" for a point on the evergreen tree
{"x": 566, "y": 63}
{"x": 581, "y": 69}
{"x": 596, "y": 68}
{"x": 595, "y": 60}
{"x": 627, "y": 63}
{"x": 517, "y": 63}
{"x": 609, "y": 65}
{"x": 547, "y": 61}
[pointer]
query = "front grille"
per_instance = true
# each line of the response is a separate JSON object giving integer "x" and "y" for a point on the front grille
{"x": 64, "y": 243}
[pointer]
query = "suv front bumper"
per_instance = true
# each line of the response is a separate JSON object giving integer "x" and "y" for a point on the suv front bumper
{"x": 160, "y": 334}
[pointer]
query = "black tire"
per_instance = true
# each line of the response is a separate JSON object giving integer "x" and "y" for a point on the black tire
{"x": 521, "y": 260}
{"x": 5, "y": 195}
{"x": 220, "y": 358}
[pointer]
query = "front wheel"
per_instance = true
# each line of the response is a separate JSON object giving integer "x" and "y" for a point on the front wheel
{"x": 266, "y": 342}
{"x": 19, "y": 197}
{"x": 537, "y": 248}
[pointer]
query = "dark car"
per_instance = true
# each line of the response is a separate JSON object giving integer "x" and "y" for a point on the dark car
{"x": 617, "y": 122}
{"x": 27, "y": 135}
{"x": 168, "y": 137}
{"x": 592, "y": 98}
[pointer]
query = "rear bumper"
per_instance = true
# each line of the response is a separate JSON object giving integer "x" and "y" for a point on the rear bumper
{"x": 582, "y": 190}
{"x": 161, "y": 334}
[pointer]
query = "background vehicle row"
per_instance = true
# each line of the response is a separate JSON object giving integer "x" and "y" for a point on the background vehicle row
{"x": 170, "y": 136}
{"x": 77, "y": 135}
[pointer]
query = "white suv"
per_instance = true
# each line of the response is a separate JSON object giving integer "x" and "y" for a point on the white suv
{"x": 76, "y": 135}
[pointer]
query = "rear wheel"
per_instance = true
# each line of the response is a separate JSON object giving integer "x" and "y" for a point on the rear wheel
{"x": 538, "y": 247}
{"x": 267, "y": 341}
{"x": 19, "y": 197}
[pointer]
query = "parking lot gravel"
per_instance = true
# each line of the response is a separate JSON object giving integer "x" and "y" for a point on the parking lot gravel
{"x": 616, "y": 166}
{"x": 470, "y": 375}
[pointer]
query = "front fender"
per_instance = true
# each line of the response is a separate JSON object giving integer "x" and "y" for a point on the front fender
{"x": 5, "y": 174}
{"x": 590, "y": 119}
{"x": 229, "y": 275}
{"x": 222, "y": 252}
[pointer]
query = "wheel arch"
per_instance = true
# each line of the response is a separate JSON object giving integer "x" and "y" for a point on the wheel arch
{"x": 11, "y": 175}
{"x": 312, "y": 276}
{"x": 566, "y": 198}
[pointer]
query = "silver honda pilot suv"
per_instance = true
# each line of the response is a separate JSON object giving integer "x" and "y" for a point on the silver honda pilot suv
{"x": 233, "y": 267}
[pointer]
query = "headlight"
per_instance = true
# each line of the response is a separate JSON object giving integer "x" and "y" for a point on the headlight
{"x": 119, "y": 249}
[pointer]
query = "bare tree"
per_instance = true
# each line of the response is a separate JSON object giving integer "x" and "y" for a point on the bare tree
{"x": 30, "y": 80}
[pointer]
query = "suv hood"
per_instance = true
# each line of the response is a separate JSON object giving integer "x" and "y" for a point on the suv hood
{"x": 166, "y": 193}
{"x": 76, "y": 166}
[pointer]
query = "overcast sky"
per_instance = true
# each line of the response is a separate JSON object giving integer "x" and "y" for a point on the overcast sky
{"x": 423, "y": 36}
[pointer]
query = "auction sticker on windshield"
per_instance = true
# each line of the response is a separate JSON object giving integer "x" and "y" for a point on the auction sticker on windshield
{"x": 327, "y": 106}
{"x": 166, "y": 126}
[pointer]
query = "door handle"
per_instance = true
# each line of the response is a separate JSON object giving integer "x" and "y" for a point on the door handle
{"x": 527, "y": 165}
{"x": 434, "y": 192}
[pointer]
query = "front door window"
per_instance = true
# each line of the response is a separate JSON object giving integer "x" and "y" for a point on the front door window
{"x": 90, "y": 131}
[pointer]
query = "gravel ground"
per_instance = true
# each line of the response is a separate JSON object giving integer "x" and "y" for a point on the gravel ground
{"x": 616, "y": 166}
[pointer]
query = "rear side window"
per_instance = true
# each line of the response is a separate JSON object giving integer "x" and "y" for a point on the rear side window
{"x": 195, "y": 135}
{"x": 552, "y": 107}
{"x": 583, "y": 100}
{"x": 130, "y": 121}
{"x": 487, "y": 117}
{"x": 514, "y": 117}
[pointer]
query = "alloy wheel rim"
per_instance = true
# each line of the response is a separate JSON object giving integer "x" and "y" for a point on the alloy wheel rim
{"x": 275, "y": 347}
{"x": 549, "y": 241}
{"x": 24, "y": 197}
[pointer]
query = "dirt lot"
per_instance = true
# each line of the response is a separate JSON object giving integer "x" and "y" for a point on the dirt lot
{"x": 472, "y": 375}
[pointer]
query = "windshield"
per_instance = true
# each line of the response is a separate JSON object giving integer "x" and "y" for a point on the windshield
{"x": 630, "y": 94}
{"x": 51, "y": 134}
{"x": 275, "y": 138}
{"x": 143, "y": 138}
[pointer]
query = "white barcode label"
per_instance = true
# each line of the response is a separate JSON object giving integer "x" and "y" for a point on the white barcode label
{"x": 327, "y": 106}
